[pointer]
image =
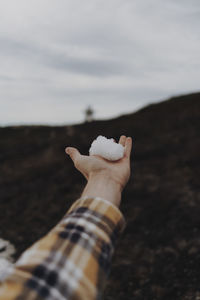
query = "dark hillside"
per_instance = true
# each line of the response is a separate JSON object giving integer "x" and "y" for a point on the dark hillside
{"x": 158, "y": 256}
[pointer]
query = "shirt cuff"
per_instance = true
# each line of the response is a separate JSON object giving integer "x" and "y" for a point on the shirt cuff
{"x": 104, "y": 208}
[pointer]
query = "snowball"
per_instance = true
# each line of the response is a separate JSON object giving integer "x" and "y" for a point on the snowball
{"x": 107, "y": 148}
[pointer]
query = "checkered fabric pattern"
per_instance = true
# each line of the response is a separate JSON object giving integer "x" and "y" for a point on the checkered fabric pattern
{"x": 73, "y": 260}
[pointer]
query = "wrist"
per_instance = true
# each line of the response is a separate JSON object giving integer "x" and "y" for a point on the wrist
{"x": 102, "y": 185}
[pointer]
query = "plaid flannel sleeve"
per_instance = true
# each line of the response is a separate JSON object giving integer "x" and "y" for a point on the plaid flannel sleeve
{"x": 73, "y": 260}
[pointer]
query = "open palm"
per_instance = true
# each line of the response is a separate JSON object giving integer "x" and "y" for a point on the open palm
{"x": 118, "y": 171}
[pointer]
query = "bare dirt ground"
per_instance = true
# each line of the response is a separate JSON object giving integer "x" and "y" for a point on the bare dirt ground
{"x": 158, "y": 256}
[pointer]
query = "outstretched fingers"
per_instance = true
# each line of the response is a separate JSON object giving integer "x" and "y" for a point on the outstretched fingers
{"x": 128, "y": 147}
{"x": 122, "y": 140}
{"x": 127, "y": 143}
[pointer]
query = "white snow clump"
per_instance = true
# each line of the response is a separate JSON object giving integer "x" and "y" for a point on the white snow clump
{"x": 106, "y": 148}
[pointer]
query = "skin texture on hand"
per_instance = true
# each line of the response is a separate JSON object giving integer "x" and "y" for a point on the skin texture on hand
{"x": 106, "y": 179}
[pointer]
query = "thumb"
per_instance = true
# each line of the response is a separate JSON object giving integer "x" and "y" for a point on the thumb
{"x": 73, "y": 153}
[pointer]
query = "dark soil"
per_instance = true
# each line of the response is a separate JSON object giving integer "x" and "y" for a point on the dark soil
{"x": 158, "y": 256}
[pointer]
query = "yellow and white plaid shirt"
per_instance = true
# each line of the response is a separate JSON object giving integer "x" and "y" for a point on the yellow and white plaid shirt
{"x": 73, "y": 260}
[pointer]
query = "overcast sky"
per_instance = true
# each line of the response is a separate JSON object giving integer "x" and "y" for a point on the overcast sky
{"x": 59, "y": 56}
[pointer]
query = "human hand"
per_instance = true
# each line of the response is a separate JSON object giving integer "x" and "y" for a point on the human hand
{"x": 94, "y": 165}
{"x": 105, "y": 178}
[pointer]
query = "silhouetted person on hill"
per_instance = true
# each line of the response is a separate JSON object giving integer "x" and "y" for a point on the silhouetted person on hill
{"x": 73, "y": 260}
{"x": 89, "y": 114}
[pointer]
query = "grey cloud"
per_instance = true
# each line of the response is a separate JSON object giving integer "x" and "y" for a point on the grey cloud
{"x": 10, "y": 46}
{"x": 90, "y": 66}
{"x": 136, "y": 53}
{"x": 6, "y": 78}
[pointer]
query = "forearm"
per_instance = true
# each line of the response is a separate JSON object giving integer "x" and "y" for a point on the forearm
{"x": 103, "y": 186}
